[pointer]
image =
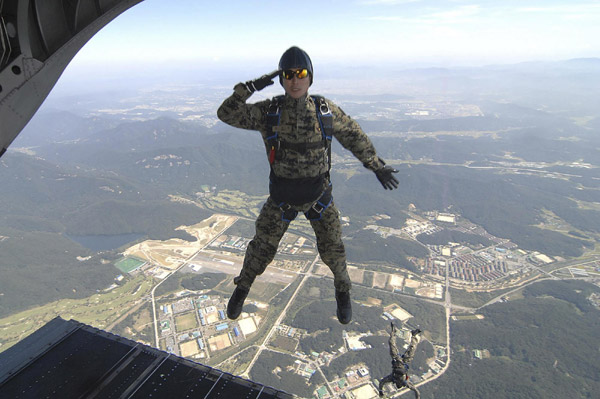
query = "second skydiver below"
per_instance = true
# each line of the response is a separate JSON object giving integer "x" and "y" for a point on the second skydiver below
{"x": 399, "y": 375}
{"x": 297, "y": 130}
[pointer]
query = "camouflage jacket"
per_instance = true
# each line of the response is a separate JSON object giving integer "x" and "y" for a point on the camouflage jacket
{"x": 299, "y": 124}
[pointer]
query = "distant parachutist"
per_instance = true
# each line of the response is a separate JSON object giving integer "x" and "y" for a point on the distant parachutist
{"x": 399, "y": 375}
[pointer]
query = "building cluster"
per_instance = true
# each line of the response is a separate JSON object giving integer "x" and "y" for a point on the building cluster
{"x": 480, "y": 354}
{"x": 303, "y": 368}
{"x": 352, "y": 378}
{"x": 355, "y": 383}
{"x": 353, "y": 341}
{"x": 197, "y": 326}
{"x": 233, "y": 242}
{"x": 291, "y": 244}
{"x": 470, "y": 267}
{"x": 595, "y": 300}
{"x": 414, "y": 228}
{"x": 470, "y": 263}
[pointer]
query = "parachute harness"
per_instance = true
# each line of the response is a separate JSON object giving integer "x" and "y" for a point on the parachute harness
{"x": 274, "y": 144}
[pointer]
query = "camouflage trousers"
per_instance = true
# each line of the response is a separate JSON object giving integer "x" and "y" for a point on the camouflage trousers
{"x": 399, "y": 362}
{"x": 407, "y": 357}
{"x": 270, "y": 229}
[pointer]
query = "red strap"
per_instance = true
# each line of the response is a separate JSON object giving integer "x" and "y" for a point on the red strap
{"x": 272, "y": 155}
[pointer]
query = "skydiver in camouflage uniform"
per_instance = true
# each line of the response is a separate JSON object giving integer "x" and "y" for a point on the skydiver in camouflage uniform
{"x": 299, "y": 156}
{"x": 399, "y": 375}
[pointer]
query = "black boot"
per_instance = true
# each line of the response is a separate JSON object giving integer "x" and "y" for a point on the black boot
{"x": 236, "y": 303}
{"x": 344, "y": 306}
{"x": 415, "y": 332}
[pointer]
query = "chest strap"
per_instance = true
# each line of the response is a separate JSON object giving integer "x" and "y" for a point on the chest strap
{"x": 324, "y": 116}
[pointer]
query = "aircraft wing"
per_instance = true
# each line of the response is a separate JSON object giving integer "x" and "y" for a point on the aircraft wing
{"x": 68, "y": 359}
{"x": 38, "y": 39}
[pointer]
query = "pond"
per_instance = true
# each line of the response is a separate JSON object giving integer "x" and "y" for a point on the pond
{"x": 106, "y": 242}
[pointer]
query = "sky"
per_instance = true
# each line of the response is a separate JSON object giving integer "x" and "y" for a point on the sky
{"x": 402, "y": 32}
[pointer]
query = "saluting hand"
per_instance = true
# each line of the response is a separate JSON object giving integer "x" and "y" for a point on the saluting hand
{"x": 262, "y": 82}
{"x": 385, "y": 177}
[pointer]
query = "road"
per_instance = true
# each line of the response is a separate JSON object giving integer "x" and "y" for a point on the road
{"x": 447, "y": 304}
{"x": 185, "y": 263}
{"x": 551, "y": 277}
{"x": 448, "y": 307}
{"x": 279, "y": 319}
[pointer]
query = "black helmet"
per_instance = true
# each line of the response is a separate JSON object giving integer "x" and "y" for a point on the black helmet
{"x": 295, "y": 57}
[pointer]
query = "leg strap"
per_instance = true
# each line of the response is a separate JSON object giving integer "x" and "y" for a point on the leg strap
{"x": 287, "y": 213}
{"x": 316, "y": 210}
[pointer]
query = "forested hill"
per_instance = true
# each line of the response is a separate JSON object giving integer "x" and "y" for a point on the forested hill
{"x": 543, "y": 346}
{"x": 521, "y": 164}
{"x": 44, "y": 203}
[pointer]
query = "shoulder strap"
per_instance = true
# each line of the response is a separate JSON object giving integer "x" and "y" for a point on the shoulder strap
{"x": 274, "y": 115}
{"x": 325, "y": 116}
{"x": 326, "y": 123}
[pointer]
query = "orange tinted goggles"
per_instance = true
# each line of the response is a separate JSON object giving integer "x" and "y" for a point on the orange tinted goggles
{"x": 300, "y": 73}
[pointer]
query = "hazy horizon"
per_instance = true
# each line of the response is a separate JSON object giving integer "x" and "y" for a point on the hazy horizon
{"x": 368, "y": 78}
{"x": 403, "y": 31}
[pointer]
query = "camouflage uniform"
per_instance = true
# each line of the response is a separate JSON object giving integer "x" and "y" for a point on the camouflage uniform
{"x": 298, "y": 124}
{"x": 399, "y": 375}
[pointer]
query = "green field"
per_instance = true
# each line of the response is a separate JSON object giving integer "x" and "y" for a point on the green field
{"x": 186, "y": 322}
{"x": 127, "y": 265}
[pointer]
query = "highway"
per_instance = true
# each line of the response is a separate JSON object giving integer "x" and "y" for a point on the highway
{"x": 263, "y": 346}
{"x": 183, "y": 264}
{"x": 448, "y": 308}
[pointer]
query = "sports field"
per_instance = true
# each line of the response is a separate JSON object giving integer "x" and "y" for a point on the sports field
{"x": 128, "y": 264}
{"x": 189, "y": 349}
{"x": 219, "y": 342}
{"x": 186, "y": 322}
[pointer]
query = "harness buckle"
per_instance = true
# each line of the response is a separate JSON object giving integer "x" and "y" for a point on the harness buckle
{"x": 273, "y": 108}
{"x": 287, "y": 213}
{"x": 324, "y": 107}
{"x": 318, "y": 207}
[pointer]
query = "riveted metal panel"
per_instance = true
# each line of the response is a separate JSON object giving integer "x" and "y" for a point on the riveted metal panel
{"x": 106, "y": 5}
{"x": 43, "y": 41}
{"x": 80, "y": 13}
{"x": 68, "y": 359}
{"x": 52, "y": 23}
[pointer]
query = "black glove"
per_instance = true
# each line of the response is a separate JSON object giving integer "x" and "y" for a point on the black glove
{"x": 262, "y": 82}
{"x": 385, "y": 177}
